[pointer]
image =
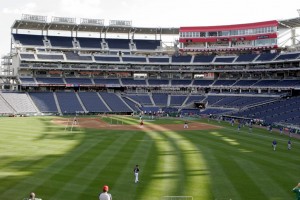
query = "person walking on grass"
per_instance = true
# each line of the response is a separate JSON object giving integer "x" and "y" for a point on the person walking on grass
{"x": 136, "y": 171}
{"x": 105, "y": 195}
{"x": 274, "y": 144}
{"x": 289, "y": 144}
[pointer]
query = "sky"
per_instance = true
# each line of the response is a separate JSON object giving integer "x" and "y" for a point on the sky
{"x": 148, "y": 13}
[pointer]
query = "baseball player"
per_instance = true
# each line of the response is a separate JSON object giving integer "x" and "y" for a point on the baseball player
{"x": 136, "y": 173}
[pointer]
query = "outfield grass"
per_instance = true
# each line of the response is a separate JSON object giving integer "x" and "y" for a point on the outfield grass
{"x": 39, "y": 156}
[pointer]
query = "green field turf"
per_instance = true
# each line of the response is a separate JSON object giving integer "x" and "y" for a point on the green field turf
{"x": 222, "y": 164}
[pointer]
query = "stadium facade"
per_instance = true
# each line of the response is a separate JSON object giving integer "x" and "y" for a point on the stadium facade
{"x": 63, "y": 67}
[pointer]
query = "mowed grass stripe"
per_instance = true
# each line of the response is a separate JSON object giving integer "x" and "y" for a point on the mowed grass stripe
{"x": 221, "y": 145}
{"x": 79, "y": 158}
{"x": 194, "y": 168}
{"x": 265, "y": 182}
{"x": 220, "y": 185}
{"x": 89, "y": 168}
{"x": 273, "y": 162}
{"x": 239, "y": 165}
{"x": 45, "y": 181}
{"x": 113, "y": 168}
{"x": 141, "y": 151}
{"x": 162, "y": 179}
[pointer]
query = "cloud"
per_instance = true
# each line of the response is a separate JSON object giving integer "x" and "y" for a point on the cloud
{"x": 80, "y": 8}
{"x": 29, "y": 8}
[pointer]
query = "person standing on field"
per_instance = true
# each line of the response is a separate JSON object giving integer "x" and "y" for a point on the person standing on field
{"x": 274, "y": 144}
{"x": 297, "y": 191}
{"x": 136, "y": 171}
{"x": 289, "y": 144}
{"x": 185, "y": 125}
{"x": 105, "y": 195}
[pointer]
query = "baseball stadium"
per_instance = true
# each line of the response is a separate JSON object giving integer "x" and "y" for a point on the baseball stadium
{"x": 83, "y": 101}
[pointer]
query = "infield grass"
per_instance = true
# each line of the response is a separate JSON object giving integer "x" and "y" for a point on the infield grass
{"x": 37, "y": 155}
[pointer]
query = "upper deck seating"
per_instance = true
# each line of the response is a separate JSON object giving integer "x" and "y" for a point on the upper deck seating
{"x": 288, "y": 56}
{"x": 203, "y": 82}
{"x": 158, "y": 82}
{"x": 159, "y": 59}
{"x": 246, "y": 58}
{"x": 287, "y": 83}
{"x": 44, "y": 101}
{"x": 50, "y": 57}
{"x": 61, "y": 41}
{"x": 266, "y": 57}
{"x": 27, "y": 56}
{"x": 131, "y": 81}
{"x": 181, "y": 59}
{"x": 68, "y": 102}
{"x": 92, "y": 102}
{"x": 30, "y": 40}
{"x": 224, "y": 59}
{"x": 134, "y": 59}
{"x": 244, "y": 82}
{"x": 75, "y": 56}
{"x": 146, "y": 44}
{"x": 266, "y": 83}
{"x": 203, "y": 59}
{"x": 107, "y": 58}
{"x": 224, "y": 82}
{"x": 118, "y": 43}
{"x": 89, "y": 43}
{"x": 28, "y": 81}
{"x": 107, "y": 81}
{"x": 50, "y": 81}
{"x": 181, "y": 82}
{"x": 79, "y": 81}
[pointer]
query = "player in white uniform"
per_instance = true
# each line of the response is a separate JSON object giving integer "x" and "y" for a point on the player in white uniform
{"x": 105, "y": 195}
{"x": 186, "y": 125}
{"x": 136, "y": 171}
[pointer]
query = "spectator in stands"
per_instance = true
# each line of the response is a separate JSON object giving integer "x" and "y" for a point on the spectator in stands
{"x": 274, "y": 144}
{"x": 297, "y": 191}
{"x": 136, "y": 171}
{"x": 105, "y": 195}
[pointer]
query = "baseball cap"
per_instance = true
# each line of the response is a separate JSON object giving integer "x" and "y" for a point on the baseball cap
{"x": 105, "y": 188}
